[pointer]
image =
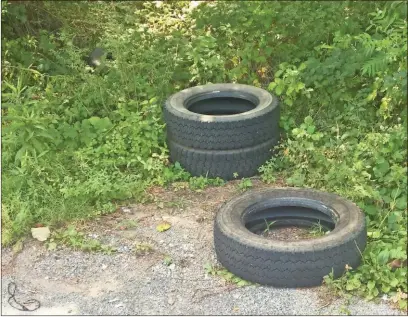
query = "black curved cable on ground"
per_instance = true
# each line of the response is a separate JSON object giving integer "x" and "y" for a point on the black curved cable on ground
{"x": 12, "y": 288}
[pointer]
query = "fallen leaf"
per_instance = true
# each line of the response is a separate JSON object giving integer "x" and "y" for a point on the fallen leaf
{"x": 41, "y": 234}
{"x": 395, "y": 264}
{"x": 399, "y": 296}
{"x": 164, "y": 226}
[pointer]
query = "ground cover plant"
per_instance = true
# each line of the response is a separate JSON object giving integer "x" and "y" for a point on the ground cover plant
{"x": 75, "y": 143}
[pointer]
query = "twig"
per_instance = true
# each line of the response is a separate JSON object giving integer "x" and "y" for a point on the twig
{"x": 325, "y": 305}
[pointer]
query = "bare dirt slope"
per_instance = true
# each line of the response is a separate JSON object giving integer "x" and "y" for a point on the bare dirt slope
{"x": 69, "y": 282}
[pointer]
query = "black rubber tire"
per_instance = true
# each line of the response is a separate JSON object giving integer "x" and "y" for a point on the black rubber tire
{"x": 222, "y": 164}
{"x": 293, "y": 263}
{"x": 222, "y": 132}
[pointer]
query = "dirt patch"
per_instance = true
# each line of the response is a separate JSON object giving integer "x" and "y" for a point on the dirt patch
{"x": 288, "y": 234}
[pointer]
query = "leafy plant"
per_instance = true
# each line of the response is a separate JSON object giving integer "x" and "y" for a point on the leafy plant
{"x": 142, "y": 249}
{"x": 245, "y": 184}
{"x": 167, "y": 260}
{"x": 77, "y": 240}
{"x": 226, "y": 275}
{"x": 126, "y": 224}
{"x": 201, "y": 182}
{"x": 317, "y": 230}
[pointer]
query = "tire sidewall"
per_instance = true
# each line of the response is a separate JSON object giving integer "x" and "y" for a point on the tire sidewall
{"x": 176, "y": 104}
{"x": 350, "y": 223}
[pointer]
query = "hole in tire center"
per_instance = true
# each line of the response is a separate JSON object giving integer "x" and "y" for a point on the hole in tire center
{"x": 221, "y": 105}
{"x": 289, "y": 223}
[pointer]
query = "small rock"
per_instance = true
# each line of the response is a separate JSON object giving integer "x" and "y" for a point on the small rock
{"x": 104, "y": 266}
{"x": 172, "y": 266}
{"x": 123, "y": 249}
{"x": 171, "y": 301}
{"x": 113, "y": 300}
{"x": 47, "y": 277}
{"x": 119, "y": 305}
{"x": 126, "y": 210}
{"x": 41, "y": 234}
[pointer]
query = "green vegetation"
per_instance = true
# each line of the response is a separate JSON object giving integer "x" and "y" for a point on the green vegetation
{"x": 226, "y": 275}
{"x": 167, "y": 261}
{"x": 142, "y": 249}
{"x": 75, "y": 142}
{"x": 126, "y": 224}
{"x": 78, "y": 241}
{"x": 245, "y": 184}
{"x": 268, "y": 226}
{"x": 317, "y": 230}
{"x": 201, "y": 182}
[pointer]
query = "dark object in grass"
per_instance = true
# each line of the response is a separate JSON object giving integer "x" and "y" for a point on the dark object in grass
{"x": 95, "y": 58}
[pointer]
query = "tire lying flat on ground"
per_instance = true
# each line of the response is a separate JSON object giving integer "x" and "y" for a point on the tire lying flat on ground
{"x": 217, "y": 163}
{"x": 222, "y": 117}
{"x": 300, "y": 263}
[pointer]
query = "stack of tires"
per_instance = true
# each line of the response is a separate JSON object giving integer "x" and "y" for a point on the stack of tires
{"x": 222, "y": 130}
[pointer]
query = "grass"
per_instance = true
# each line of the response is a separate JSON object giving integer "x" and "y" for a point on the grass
{"x": 317, "y": 230}
{"x": 77, "y": 240}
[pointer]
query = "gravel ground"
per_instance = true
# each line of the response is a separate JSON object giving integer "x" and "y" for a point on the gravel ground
{"x": 69, "y": 282}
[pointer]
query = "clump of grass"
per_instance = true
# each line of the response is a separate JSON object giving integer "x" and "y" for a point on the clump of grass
{"x": 77, "y": 240}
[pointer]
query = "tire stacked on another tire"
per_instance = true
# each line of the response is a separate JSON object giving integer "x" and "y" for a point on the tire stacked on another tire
{"x": 218, "y": 130}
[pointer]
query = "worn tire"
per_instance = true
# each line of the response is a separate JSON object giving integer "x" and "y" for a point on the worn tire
{"x": 295, "y": 263}
{"x": 222, "y": 132}
{"x": 216, "y": 163}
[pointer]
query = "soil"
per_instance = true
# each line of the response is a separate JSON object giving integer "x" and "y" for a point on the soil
{"x": 288, "y": 233}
